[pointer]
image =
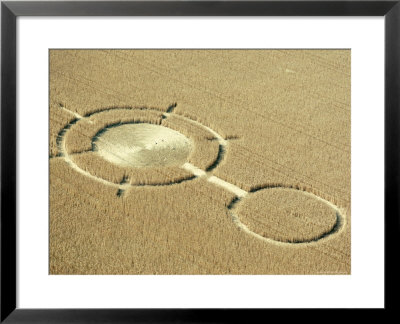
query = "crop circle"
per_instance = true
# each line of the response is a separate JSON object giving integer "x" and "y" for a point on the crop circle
{"x": 125, "y": 147}
{"x": 287, "y": 215}
{"x": 142, "y": 145}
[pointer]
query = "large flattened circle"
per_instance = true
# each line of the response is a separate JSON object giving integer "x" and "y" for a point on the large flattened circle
{"x": 143, "y": 145}
{"x": 287, "y": 215}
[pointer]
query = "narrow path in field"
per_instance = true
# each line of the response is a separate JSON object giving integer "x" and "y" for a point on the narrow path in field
{"x": 228, "y": 186}
{"x": 195, "y": 170}
{"x": 215, "y": 180}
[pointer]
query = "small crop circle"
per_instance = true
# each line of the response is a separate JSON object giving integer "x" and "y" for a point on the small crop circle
{"x": 287, "y": 215}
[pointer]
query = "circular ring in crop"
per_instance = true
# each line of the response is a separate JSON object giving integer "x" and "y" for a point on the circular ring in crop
{"x": 286, "y": 216}
{"x": 138, "y": 146}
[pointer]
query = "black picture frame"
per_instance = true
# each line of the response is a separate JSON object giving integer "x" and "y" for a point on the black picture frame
{"x": 10, "y": 10}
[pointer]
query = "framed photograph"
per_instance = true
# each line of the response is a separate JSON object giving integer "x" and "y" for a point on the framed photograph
{"x": 163, "y": 159}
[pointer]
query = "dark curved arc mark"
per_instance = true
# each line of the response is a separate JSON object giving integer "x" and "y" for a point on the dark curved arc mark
{"x": 61, "y": 134}
{"x": 111, "y": 108}
{"x": 271, "y": 186}
{"x": 335, "y": 228}
{"x": 166, "y": 183}
{"x": 120, "y": 107}
{"x": 96, "y": 137}
{"x": 73, "y": 121}
{"x": 220, "y": 156}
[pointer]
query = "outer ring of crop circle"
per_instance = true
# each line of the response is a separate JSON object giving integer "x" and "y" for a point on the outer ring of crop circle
{"x": 337, "y": 228}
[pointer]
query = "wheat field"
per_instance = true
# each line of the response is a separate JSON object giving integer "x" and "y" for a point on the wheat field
{"x": 200, "y": 162}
